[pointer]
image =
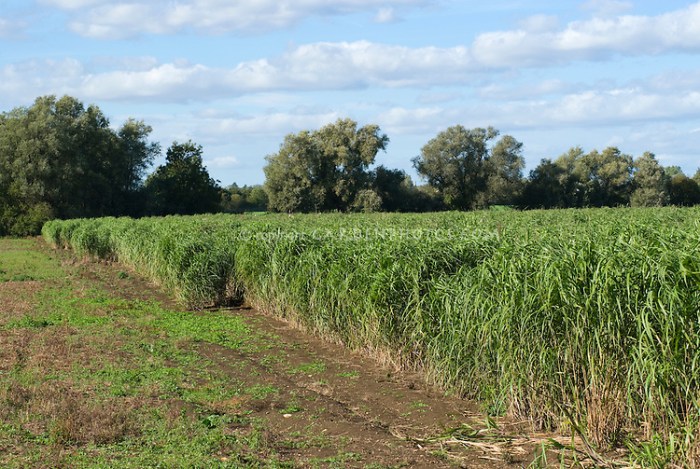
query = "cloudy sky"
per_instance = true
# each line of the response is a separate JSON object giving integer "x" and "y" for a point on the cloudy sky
{"x": 237, "y": 76}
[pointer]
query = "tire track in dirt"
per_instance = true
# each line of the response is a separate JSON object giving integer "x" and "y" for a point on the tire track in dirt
{"x": 380, "y": 413}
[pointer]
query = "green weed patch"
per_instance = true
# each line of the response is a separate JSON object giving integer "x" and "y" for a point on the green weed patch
{"x": 89, "y": 379}
{"x": 20, "y": 264}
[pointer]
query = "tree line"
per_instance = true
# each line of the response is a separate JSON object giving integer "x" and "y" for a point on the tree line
{"x": 465, "y": 169}
{"x": 62, "y": 159}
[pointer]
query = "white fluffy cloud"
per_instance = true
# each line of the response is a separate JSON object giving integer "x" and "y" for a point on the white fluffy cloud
{"x": 600, "y": 108}
{"x": 421, "y": 120}
{"x": 502, "y": 91}
{"x": 24, "y": 81}
{"x": 538, "y": 41}
{"x": 166, "y": 81}
{"x": 362, "y": 64}
{"x": 597, "y": 38}
{"x": 313, "y": 67}
{"x": 109, "y": 19}
{"x": 624, "y": 104}
{"x": 357, "y": 64}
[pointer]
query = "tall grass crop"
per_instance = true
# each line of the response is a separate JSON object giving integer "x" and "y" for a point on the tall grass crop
{"x": 577, "y": 319}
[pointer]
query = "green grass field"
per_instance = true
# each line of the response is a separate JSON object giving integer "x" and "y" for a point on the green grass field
{"x": 17, "y": 263}
{"x": 579, "y": 319}
{"x": 86, "y": 383}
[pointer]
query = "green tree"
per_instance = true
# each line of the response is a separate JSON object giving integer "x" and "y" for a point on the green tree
{"x": 683, "y": 190}
{"x": 297, "y": 177}
{"x": 324, "y": 169}
{"x": 136, "y": 156}
{"x": 244, "y": 199}
{"x": 650, "y": 187}
{"x": 61, "y": 158}
{"x": 545, "y": 188}
{"x": 673, "y": 171}
{"x": 425, "y": 198}
{"x": 696, "y": 176}
{"x": 367, "y": 201}
{"x": 87, "y": 146}
{"x": 504, "y": 182}
{"x": 454, "y": 164}
{"x": 33, "y": 167}
{"x": 572, "y": 178}
{"x": 611, "y": 173}
{"x": 183, "y": 185}
{"x": 398, "y": 193}
{"x": 606, "y": 177}
{"x": 595, "y": 179}
{"x": 393, "y": 187}
{"x": 466, "y": 171}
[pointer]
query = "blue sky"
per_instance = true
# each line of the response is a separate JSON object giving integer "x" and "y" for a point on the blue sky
{"x": 237, "y": 76}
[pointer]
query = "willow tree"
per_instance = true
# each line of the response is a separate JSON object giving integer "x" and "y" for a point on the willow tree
{"x": 325, "y": 169}
{"x": 468, "y": 171}
{"x": 61, "y": 158}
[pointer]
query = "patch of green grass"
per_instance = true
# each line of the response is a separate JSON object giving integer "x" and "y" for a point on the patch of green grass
{"x": 313, "y": 368}
{"x": 308, "y": 438}
{"x": 19, "y": 261}
{"x": 349, "y": 374}
{"x": 270, "y": 360}
{"x": 338, "y": 461}
{"x": 212, "y": 390}
{"x": 214, "y": 327}
{"x": 291, "y": 408}
{"x": 418, "y": 405}
{"x": 167, "y": 441}
{"x": 22, "y": 278}
{"x": 261, "y": 391}
{"x": 61, "y": 305}
{"x": 154, "y": 379}
{"x": 29, "y": 322}
{"x": 77, "y": 315}
{"x": 95, "y": 307}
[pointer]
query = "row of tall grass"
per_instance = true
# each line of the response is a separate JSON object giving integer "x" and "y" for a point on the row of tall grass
{"x": 586, "y": 319}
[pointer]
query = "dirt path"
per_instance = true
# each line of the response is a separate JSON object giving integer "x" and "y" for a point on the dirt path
{"x": 386, "y": 416}
{"x": 296, "y": 401}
